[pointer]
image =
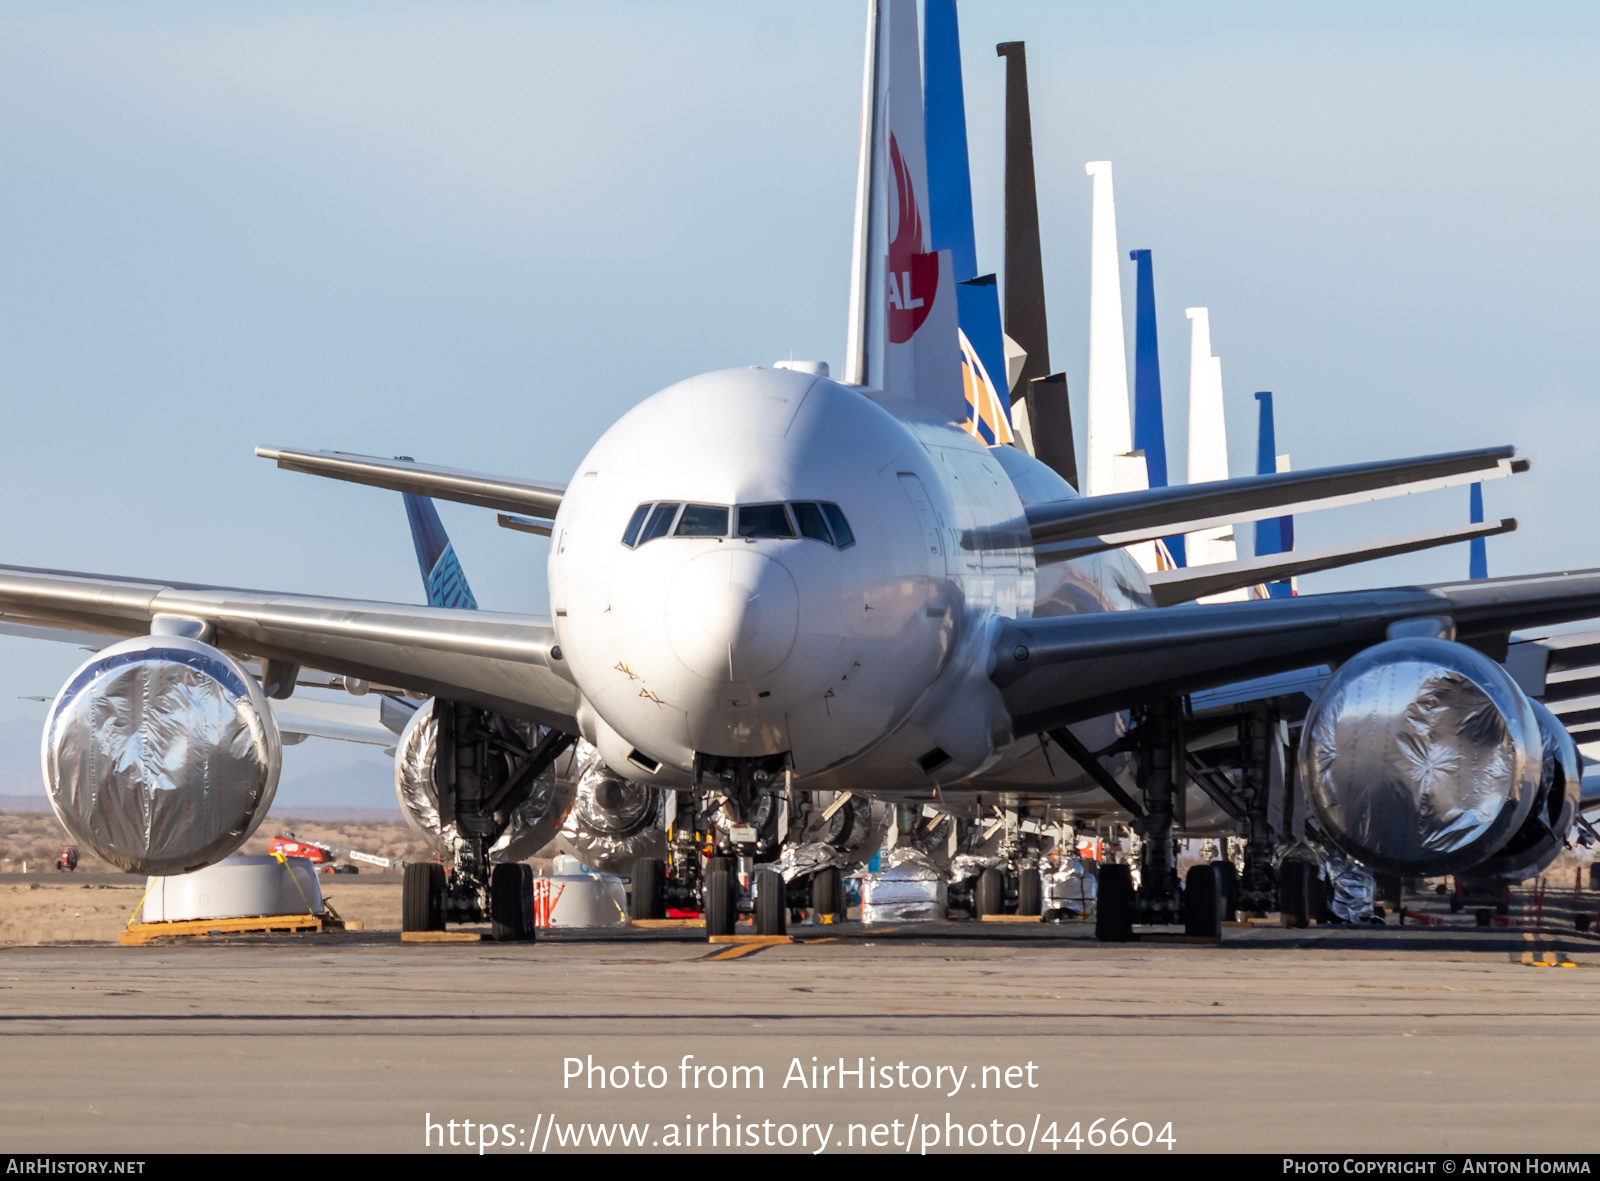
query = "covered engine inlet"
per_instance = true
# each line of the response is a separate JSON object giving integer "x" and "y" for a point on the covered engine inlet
{"x": 1421, "y": 757}
{"x": 531, "y": 822}
{"x": 614, "y": 821}
{"x": 1544, "y": 833}
{"x": 161, "y": 754}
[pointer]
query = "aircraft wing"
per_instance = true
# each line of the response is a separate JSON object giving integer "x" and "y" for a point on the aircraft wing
{"x": 1068, "y": 528}
{"x": 1066, "y": 668}
{"x": 508, "y": 663}
{"x": 1194, "y": 582}
{"x": 505, "y": 493}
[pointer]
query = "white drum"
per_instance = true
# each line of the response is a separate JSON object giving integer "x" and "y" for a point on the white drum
{"x": 236, "y": 887}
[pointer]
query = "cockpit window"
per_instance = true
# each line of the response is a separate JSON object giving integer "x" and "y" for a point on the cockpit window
{"x": 817, "y": 521}
{"x": 809, "y": 517}
{"x": 764, "y": 520}
{"x": 630, "y": 535}
{"x": 660, "y": 522}
{"x": 842, "y": 537}
{"x": 703, "y": 520}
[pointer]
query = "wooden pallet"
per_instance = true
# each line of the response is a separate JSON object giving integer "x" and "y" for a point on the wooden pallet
{"x": 141, "y": 933}
{"x": 442, "y": 937}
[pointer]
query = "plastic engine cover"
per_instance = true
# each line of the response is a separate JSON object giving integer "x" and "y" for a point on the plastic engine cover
{"x": 161, "y": 755}
{"x": 1420, "y": 757}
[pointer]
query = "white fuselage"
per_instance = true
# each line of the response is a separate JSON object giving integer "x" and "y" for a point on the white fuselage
{"x": 867, "y": 663}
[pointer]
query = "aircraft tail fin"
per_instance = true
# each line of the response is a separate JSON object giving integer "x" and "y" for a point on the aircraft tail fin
{"x": 1478, "y": 563}
{"x": 903, "y": 325}
{"x": 442, "y": 576}
{"x": 1275, "y": 535}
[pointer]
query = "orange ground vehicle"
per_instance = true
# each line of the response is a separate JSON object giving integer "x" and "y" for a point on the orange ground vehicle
{"x": 67, "y": 861}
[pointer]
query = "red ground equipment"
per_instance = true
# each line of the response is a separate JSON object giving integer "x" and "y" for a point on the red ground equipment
{"x": 68, "y": 860}
{"x": 292, "y": 846}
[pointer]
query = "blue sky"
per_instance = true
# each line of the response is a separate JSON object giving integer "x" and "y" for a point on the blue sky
{"x": 477, "y": 233}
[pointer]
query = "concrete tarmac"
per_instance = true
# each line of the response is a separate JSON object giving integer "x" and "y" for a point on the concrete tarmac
{"x": 1326, "y": 1040}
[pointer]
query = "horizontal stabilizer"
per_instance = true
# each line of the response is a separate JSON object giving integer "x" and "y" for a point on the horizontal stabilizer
{"x": 505, "y": 493}
{"x": 1103, "y": 522}
{"x": 1066, "y": 668}
{"x": 1195, "y": 582}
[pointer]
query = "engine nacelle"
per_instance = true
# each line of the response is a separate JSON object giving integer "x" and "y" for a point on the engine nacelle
{"x": 161, "y": 755}
{"x": 1544, "y": 833}
{"x": 530, "y": 825}
{"x": 614, "y": 821}
{"x": 1421, "y": 757}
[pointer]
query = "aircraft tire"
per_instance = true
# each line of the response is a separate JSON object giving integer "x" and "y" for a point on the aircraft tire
{"x": 720, "y": 903}
{"x": 511, "y": 903}
{"x": 772, "y": 903}
{"x": 1113, "y": 916}
{"x": 1294, "y": 894}
{"x": 649, "y": 898}
{"x": 827, "y": 892}
{"x": 421, "y": 895}
{"x": 1202, "y": 902}
{"x": 1229, "y": 883}
{"x": 1030, "y": 898}
{"x": 991, "y": 892}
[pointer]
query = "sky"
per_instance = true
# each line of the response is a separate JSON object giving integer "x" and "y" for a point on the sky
{"x": 477, "y": 233}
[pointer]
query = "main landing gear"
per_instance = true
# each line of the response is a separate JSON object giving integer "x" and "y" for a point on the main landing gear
{"x": 484, "y": 768}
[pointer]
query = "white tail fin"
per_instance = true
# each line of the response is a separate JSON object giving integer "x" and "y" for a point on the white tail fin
{"x": 1208, "y": 441}
{"x": 903, "y": 326}
{"x": 1111, "y": 466}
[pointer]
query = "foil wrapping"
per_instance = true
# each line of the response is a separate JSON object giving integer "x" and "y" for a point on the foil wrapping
{"x": 909, "y": 890}
{"x": 613, "y": 821}
{"x": 1543, "y": 834}
{"x": 1068, "y": 889}
{"x": 970, "y": 865}
{"x": 530, "y": 825}
{"x": 1420, "y": 757}
{"x": 855, "y": 831}
{"x": 161, "y": 755}
{"x": 1352, "y": 888}
{"x": 798, "y": 861}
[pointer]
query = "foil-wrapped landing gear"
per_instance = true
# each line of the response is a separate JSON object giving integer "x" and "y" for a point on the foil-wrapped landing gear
{"x": 485, "y": 767}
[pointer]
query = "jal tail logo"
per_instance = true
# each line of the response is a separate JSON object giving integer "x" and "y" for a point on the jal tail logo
{"x": 913, "y": 275}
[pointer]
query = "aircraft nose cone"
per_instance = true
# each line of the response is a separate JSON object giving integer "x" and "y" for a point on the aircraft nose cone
{"x": 732, "y": 615}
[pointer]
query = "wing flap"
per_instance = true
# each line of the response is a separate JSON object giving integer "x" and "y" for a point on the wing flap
{"x": 503, "y": 493}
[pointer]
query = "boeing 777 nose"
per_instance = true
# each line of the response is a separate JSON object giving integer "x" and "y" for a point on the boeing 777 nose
{"x": 732, "y": 615}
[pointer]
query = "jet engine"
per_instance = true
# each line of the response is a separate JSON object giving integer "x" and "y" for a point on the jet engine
{"x": 530, "y": 824}
{"x": 161, "y": 755}
{"x": 1421, "y": 757}
{"x": 1543, "y": 834}
{"x": 613, "y": 821}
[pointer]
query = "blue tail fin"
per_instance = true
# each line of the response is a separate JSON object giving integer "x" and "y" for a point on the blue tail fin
{"x": 436, "y": 557}
{"x": 1478, "y": 563}
{"x": 1275, "y": 535}
{"x": 1149, "y": 422}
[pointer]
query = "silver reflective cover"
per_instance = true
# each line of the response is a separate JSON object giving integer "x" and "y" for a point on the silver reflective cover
{"x": 1544, "y": 833}
{"x": 1421, "y": 757}
{"x": 161, "y": 755}
{"x": 531, "y": 825}
{"x": 1352, "y": 890}
{"x": 613, "y": 821}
